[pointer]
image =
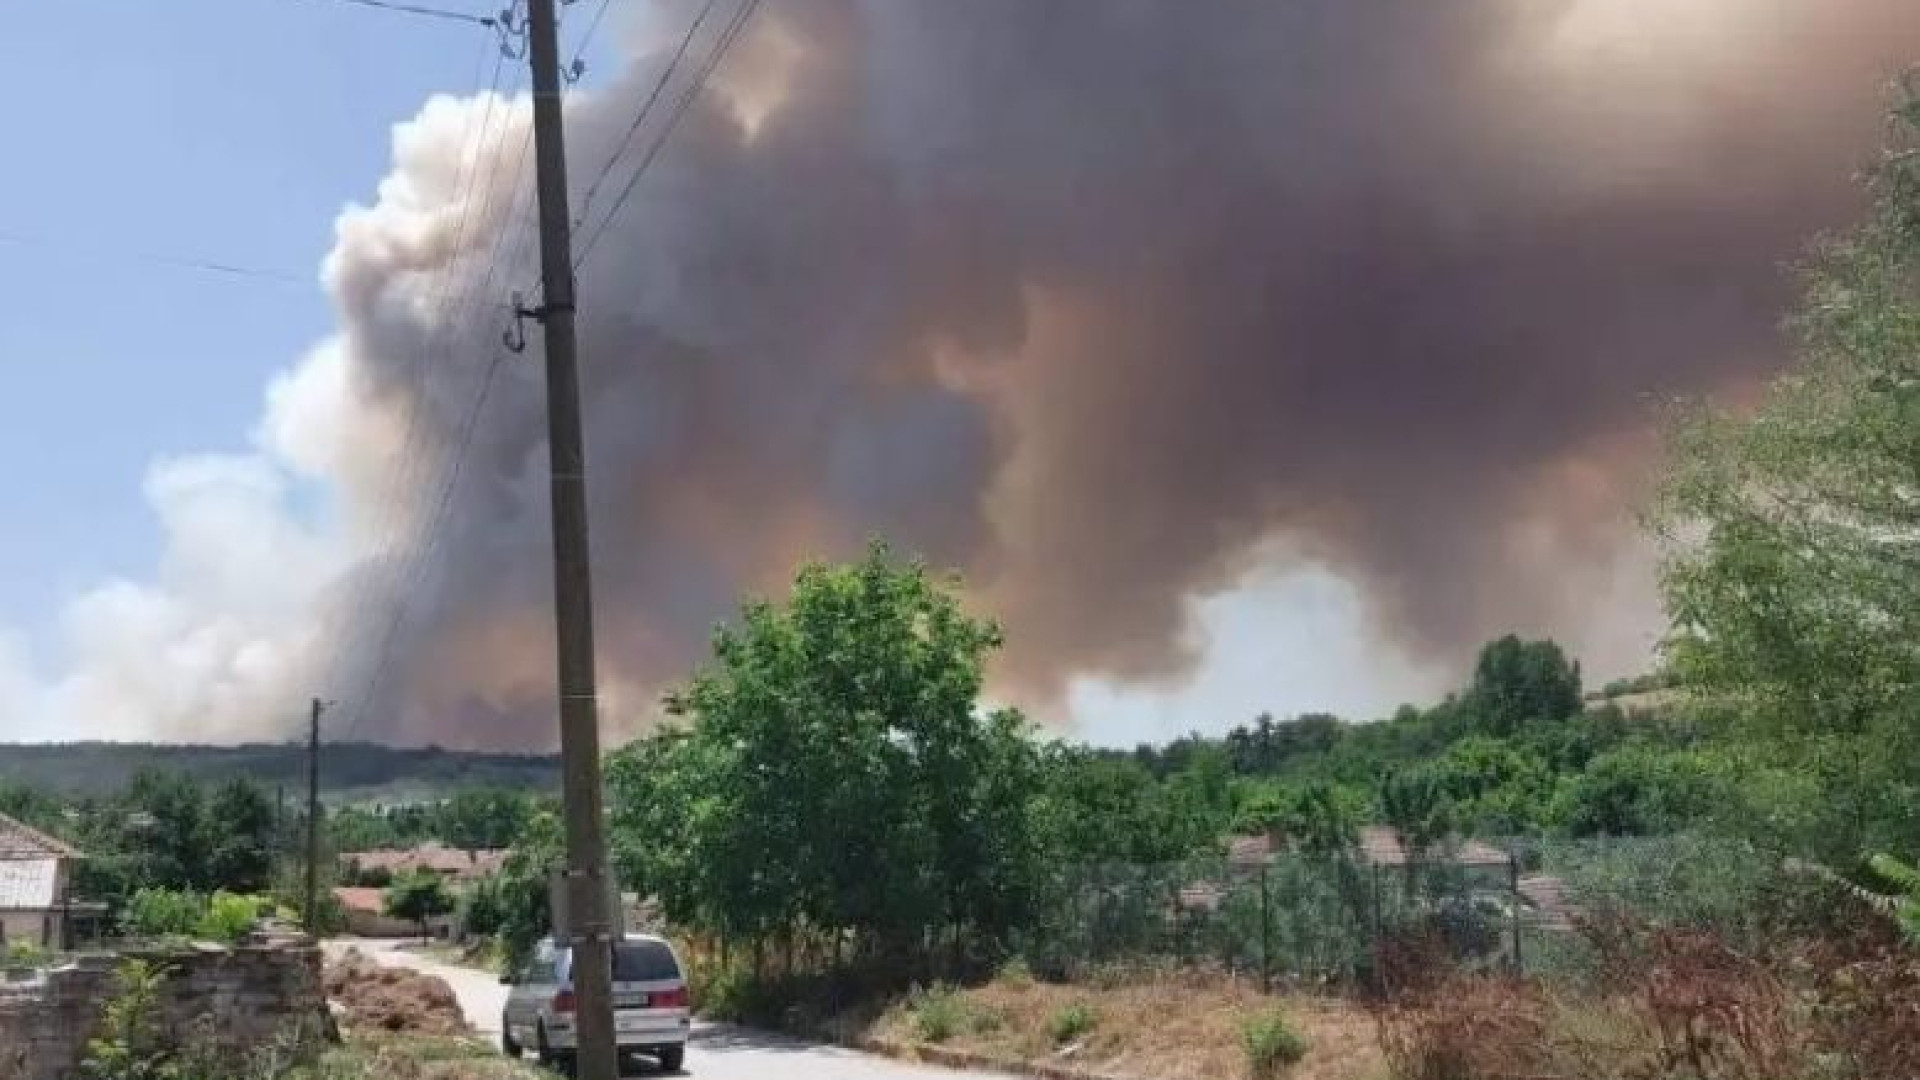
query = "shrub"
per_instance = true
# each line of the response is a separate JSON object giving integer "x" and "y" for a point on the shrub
{"x": 228, "y": 917}
{"x": 1071, "y": 1022}
{"x": 25, "y": 954}
{"x": 483, "y": 911}
{"x": 1015, "y": 974}
{"x": 130, "y": 1043}
{"x": 1466, "y": 1029}
{"x": 719, "y": 991}
{"x": 938, "y": 1013}
{"x": 1271, "y": 1044}
{"x": 1867, "y": 1012}
{"x": 158, "y": 913}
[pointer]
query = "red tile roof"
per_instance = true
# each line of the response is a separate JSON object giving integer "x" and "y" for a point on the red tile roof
{"x": 436, "y": 857}
{"x": 1252, "y": 850}
{"x": 1381, "y": 845}
{"x": 20, "y": 841}
{"x": 1547, "y": 896}
{"x": 369, "y": 900}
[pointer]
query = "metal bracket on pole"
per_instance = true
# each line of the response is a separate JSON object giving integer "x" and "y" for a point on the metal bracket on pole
{"x": 515, "y": 336}
{"x": 513, "y": 35}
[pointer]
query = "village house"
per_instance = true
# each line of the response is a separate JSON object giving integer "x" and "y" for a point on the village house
{"x": 35, "y": 872}
{"x": 456, "y": 866}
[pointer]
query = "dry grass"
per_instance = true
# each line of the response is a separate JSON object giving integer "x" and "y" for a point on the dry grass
{"x": 1161, "y": 1030}
{"x": 414, "y": 1058}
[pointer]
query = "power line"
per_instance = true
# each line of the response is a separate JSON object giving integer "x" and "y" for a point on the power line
{"x": 580, "y": 47}
{"x": 436, "y": 521}
{"x": 412, "y": 577}
{"x": 421, "y": 10}
{"x": 646, "y": 108}
{"x": 181, "y": 262}
{"x": 731, "y": 34}
{"x": 400, "y": 477}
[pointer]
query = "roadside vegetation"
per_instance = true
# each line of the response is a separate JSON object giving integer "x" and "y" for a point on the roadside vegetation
{"x": 1164, "y": 1027}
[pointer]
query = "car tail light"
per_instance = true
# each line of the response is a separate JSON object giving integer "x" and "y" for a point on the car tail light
{"x": 669, "y": 999}
{"x": 564, "y": 1001}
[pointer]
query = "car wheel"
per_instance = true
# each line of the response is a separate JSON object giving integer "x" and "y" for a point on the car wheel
{"x": 672, "y": 1057}
{"x": 507, "y": 1045}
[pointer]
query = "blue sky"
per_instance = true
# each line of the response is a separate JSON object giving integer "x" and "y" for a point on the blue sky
{"x": 225, "y": 130}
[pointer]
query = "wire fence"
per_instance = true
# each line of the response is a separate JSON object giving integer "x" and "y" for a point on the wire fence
{"x": 1293, "y": 920}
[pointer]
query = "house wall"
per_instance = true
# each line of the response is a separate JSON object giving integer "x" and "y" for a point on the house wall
{"x": 40, "y": 928}
{"x": 251, "y": 997}
{"x": 371, "y": 924}
{"x": 37, "y": 926}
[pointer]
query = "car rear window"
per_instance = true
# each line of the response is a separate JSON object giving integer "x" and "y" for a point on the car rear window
{"x": 643, "y": 961}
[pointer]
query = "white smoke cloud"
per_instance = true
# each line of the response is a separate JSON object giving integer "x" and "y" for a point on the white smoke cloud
{"x": 216, "y": 643}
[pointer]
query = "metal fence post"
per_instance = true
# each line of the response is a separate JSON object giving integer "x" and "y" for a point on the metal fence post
{"x": 1266, "y": 935}
{"x": 1513, "y": 884}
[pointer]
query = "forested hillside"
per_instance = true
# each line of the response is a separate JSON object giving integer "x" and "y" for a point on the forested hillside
{"x": 351, "y": 770}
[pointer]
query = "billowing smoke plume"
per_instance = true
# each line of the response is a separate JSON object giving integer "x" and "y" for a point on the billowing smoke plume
{"x": 1105, "y": 302}
{"x": 1110, "y": 303}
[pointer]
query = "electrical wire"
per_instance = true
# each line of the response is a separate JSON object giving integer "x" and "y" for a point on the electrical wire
{"x": 732, "y": 33}
{"x": 419, "y": 9}
{"x": 424, "y": 552}
{"x": 401, "y": 476}
{"x": 580, "y": 48}
{"x": 182, "y": 262}
{"x": 646, "y": 109}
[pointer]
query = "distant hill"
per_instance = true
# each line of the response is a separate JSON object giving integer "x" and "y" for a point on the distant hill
{"x": 348, "y": 771}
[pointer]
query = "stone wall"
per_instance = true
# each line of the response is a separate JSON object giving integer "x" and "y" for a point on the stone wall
{"x": 242, "y": 998}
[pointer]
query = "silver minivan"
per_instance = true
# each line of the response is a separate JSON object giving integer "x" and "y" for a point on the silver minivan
{"x": 650, "y": 1013}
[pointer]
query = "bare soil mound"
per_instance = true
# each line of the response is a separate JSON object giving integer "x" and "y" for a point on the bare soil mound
{"x": 373, "y": 997}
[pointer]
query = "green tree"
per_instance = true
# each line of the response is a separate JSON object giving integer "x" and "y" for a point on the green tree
{"x": 1318, "y": 818}
{"x": 837, "y": 772}
{"x": 359, "y": 828}
{"x": 1415, "y": 801}
{"x": 420, "y": 896}
{"x": 1518, "y": 685}
{"x": 476, "y": 819}
{"x": 1792, "y": 534}
{"x": 1639, "y": 791}
{"x": 524, "y": 889}
{"x": 241, "y": 834}
{"x": 164, "y": 825}
{"x": 483, "y": 909}
{"x": 1496, "y": 787}
{"x": 1096, "y": 808}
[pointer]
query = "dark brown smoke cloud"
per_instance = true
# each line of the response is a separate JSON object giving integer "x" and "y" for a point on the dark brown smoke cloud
{"x": 1103, "y": 300}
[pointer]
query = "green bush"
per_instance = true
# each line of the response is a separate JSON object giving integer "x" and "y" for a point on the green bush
{"x": 1271, "y": 1045}
{"x": 938, "y": 1013}
{"x": 1015, "y": 974}
{"x": 229, "y": 917}
{"x": 1071, "y": 1022}
{"x": 158, "y": 913}
{"x": 131, "y": 1042}
{"x": 24, "y": 954}
{"x": 719, "y": 991}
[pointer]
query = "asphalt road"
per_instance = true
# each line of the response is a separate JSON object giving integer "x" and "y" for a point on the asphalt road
{"x": 718, "y": 1052}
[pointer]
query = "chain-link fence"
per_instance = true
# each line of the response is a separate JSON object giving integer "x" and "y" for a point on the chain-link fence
{"x": 1288, "y": 919}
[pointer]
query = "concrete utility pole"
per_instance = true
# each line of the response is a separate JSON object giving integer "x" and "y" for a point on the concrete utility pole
{"x": 310, "y": 914}
{"x": 587, "y": 921}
